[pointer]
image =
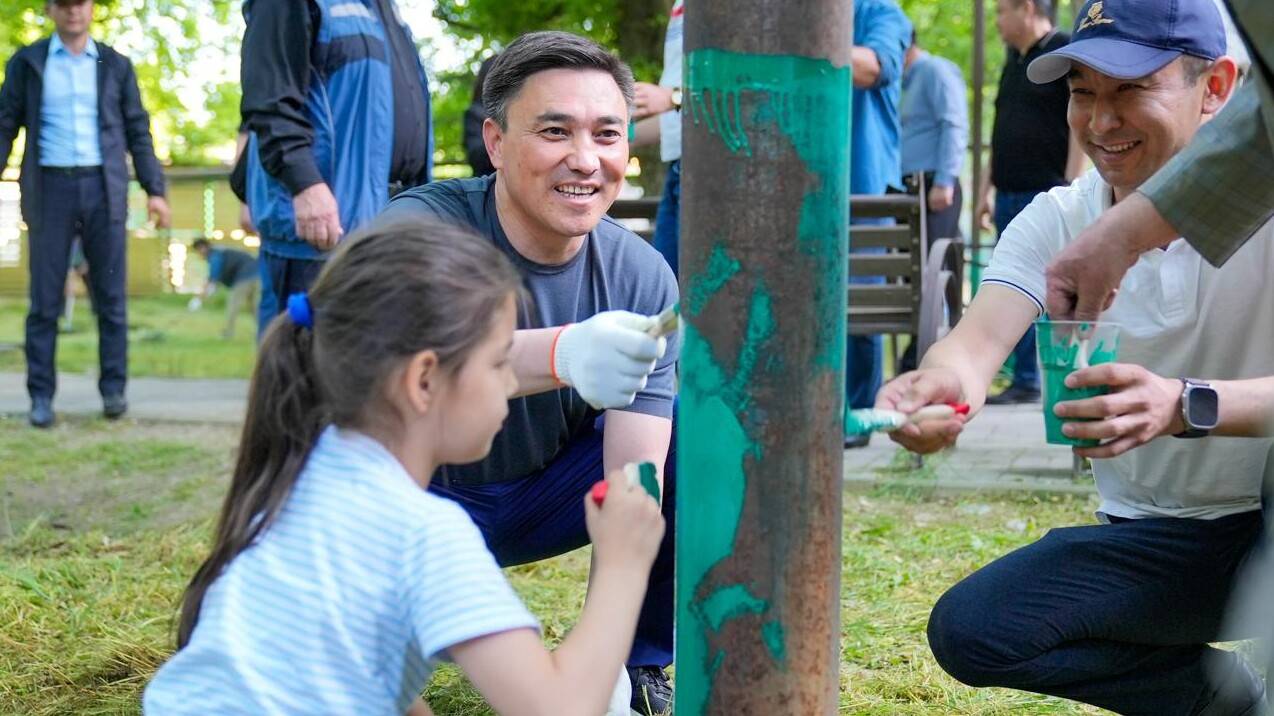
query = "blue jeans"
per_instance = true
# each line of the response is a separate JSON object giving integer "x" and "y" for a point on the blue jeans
{"x": 864, "y": 355}
{"x": 542, "y": 515}
{"x": 1116, "y": 615}
{"x": 80, "y": 210}
{"x": 668, "y": 217}
{"x": 1009, "y": 204}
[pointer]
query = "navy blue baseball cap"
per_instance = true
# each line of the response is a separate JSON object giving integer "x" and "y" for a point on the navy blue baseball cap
{"x": 1127, "y": 39}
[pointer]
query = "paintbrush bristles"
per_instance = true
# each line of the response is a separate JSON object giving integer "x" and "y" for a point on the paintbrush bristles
{"x": 667, "y": 322}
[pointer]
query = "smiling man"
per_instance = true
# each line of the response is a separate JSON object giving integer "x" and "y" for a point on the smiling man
{"x": 558, "y": 109}
{"x": 1120, "y": 614}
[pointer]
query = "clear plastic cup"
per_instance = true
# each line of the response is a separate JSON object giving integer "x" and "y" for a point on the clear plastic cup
{"x": 1064, "y": 347}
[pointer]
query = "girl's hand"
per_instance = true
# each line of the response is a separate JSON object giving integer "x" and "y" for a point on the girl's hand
{"x": 627, "y": 528}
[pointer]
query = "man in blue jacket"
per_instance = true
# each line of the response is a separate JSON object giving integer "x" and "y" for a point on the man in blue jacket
{"x": 81, "y": 108}
{"x": 336, "y": 105}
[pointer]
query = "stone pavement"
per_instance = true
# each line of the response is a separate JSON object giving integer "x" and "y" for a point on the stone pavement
{"x": 1002, "y": 449}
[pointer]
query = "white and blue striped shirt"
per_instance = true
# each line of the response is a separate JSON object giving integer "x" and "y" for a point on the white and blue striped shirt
{"x": 346, "y": 602}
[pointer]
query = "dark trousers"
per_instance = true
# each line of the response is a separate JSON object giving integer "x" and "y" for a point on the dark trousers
{"x": 668, "y": 217}
{"x": 542, "y": 515}
{"x": 75, "y": 204}
{"x": 281, "y": 277}
{"x": 1008, "y": 204}
{"x": 944, "y": 224}
{"x": 1115, "y": 615}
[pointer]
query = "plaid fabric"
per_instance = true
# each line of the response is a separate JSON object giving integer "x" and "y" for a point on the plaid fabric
{"x": 1217, "y": 191}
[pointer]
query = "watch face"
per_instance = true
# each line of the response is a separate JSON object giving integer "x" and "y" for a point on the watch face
{"x": 1202, "y": 408}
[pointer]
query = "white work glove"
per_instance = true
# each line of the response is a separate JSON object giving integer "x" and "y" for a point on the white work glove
{"x": 195, "y": 304}
{"x": 607, "y": 358}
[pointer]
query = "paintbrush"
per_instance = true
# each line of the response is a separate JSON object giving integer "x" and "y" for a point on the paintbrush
{"x": 667, "y": 322}
{"x": 871, "y": 420}
{"x": 637, "y": 474}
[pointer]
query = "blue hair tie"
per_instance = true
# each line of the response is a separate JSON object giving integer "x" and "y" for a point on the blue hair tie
{"x": 299, "y": 310}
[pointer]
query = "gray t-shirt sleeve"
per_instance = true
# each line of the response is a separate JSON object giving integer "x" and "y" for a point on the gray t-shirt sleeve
{"x": 655, "y": 288}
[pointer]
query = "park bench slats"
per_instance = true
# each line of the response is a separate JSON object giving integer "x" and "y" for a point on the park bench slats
{"x": 880, "y": 237}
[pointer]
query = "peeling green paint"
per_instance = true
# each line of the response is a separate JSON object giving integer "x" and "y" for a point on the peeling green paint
{"x": 728, "y": 603}
{"x": 732, "y": 95}
{"x": 721, "y": 268}
{"x": 772, "y": 633}
{"x": 712, "y": 444}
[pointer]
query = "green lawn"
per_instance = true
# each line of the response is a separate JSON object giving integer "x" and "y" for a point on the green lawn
{"x": 164, "y": 339}
{"x": 102, "y": 524}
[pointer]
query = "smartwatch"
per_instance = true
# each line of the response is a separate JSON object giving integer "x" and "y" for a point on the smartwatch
{"x": 1199, "y": 408}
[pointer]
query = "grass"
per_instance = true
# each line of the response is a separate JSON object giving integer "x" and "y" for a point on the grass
{"x": 94, "y": 554}
{"x": 164, "y": 339}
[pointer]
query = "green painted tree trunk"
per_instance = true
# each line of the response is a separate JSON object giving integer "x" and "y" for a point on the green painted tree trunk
{"x": 764, "y": 234}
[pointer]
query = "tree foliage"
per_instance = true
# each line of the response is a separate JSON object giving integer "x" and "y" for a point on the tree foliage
{"x": 634, "y": 28}
{"x": 182, "y": 50}
{"x": 186, "y": 52}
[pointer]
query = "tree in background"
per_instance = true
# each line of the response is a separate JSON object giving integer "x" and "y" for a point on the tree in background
{"x": 180, "y": 49}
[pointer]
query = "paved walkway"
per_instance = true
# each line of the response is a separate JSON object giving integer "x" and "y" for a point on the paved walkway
{"x": 162, "y": 399}
{"x": 1003, "y": 449}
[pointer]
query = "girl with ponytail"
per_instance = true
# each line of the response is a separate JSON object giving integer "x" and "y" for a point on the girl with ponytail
{"x": 335, "y": 581}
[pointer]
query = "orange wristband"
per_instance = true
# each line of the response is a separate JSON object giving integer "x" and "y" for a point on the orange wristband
{"x": 553, "y": 354}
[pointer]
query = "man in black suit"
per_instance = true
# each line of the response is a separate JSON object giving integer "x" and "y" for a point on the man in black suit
{"x": 80, "y": 105}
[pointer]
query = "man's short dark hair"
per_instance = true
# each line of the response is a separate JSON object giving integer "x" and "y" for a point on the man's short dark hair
{"x": 540, "y": 51}
{"x": 198, "y": 244}
{"x": 1043, "y": 8}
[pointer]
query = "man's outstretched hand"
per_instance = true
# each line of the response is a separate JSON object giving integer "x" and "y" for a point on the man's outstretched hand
{"x": 1084, "y": 277}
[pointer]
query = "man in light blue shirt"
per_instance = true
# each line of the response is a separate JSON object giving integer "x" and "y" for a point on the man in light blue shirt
{"x": 935, "y": 134}
{"x": 881, "y": 36}
{"x": 79, "y": 103}
{"x": 68, "y": 113}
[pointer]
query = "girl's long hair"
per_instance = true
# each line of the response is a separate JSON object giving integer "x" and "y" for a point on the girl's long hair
{"x": 384, "y": 295}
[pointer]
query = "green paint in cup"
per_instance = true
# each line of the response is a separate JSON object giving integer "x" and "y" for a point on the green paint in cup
{"x": 1063, "y": 347}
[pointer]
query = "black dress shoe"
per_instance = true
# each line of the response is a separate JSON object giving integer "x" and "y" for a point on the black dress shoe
{"x": 1015, "y": 395}
{"x": 41, "y": 415}
{"x": 113, "y": 406}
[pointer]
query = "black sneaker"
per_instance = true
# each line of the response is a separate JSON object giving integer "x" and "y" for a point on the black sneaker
{"x": 1015, "y": 395}
{"x": 652, "y": 694}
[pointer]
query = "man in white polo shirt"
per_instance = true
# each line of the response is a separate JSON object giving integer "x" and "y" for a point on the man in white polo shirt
{"x": 1120, "y": 614}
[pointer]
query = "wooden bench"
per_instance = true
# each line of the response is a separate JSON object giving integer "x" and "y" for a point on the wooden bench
{"x": 923, "y": 290}
{"x": 643, "y": 208}
{"x": 922, "y": 293}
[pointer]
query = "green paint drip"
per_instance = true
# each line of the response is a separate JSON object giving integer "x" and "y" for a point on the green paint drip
{"x": 809, "y": 102}
{"x": 772, "y": 633}
{"x": 729, "y": 603}
{"x": 721, "y": 268}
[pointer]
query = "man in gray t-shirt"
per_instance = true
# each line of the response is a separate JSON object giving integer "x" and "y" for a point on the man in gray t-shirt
{"x": 613, "y": 269}
{"x": 558, "y": 107}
